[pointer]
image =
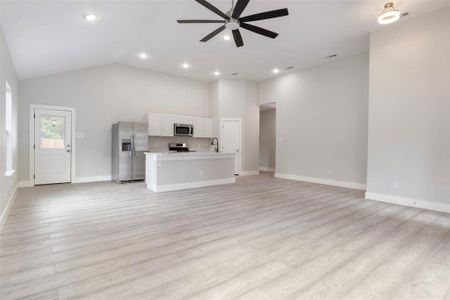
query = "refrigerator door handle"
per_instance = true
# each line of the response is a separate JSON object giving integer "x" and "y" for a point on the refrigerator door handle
{"x": 133, "y": 147}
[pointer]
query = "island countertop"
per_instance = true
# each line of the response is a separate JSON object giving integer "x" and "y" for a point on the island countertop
{"x": 173, "y": 155}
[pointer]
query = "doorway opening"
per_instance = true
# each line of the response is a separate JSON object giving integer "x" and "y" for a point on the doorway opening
{"x": 267, "y": 138}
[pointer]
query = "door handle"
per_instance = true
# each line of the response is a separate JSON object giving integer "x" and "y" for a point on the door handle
{"x": 133, "y": 147}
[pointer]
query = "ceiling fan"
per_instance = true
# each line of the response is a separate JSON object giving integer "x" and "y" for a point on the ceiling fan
{"x": 232, "y": 20}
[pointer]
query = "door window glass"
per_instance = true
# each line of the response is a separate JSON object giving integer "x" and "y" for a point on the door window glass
{"x": 52, "y": 132}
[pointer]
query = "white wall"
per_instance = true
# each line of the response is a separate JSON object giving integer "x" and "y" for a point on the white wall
{"x": 238, "y": 98}
{"x": 102, "y": 96}
{"x": 267, "y": 139}
{"x": 409, "y": 111}
{"x": 322, "y": 120}
{"x": 251, "y": 128}
{"x": 214, "y": 105}
{"x": 7, "y": 72}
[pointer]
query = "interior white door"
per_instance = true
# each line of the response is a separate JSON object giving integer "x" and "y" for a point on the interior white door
{"x": 231, "y": 140}
{"x": 52, "y": 146}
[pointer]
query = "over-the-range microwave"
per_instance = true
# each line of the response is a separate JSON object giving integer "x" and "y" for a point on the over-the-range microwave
{"x": 183, "y": 130}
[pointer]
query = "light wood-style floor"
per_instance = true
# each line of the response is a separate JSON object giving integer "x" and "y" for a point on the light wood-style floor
{"x": 262, "y": 238}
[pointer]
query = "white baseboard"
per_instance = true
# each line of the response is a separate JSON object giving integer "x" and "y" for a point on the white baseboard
{"x": 91, "y": 179}
{"x": 28, "y": 183}
{"x": 249, "y": 173}
{"x": 25, "y": 183}
{"x": 190, "y": 185}
{"x": 346, "y": 184}
{"x": 441, "y": 207}
{"x": 7, "y": 208}
{"x": 267, "y": 169}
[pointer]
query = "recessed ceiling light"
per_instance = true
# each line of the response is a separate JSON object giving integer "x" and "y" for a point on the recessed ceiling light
{"x": 186, "y": 65}
{"x": 143, "y": 55}
{"x": 389, "y": 14}
{"x": 90, "y": 17}
{"x": 216, "y": 73}
{"x": 227, "y": 37}
{"x": 275, "y": 71}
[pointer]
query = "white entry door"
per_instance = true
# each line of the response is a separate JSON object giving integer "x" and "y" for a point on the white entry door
{"x": 231, "y": 140}
{"x": 52, "y": 146}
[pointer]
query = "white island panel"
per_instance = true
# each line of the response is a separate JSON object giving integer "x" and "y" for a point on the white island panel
{"x": 175, "y": 171}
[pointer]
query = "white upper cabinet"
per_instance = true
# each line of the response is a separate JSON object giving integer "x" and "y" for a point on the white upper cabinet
{"x": 183, "y": 119}
{"x": 162, "y": 125}
{"x": 203, "y": 127}
{"x": 208, "y": 128}
{"x": 198, "y": 124}
{"x": 154, "y": 124}
{"x": 167, "y": 125}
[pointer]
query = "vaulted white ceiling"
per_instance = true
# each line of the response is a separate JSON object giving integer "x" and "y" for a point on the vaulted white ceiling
{"x": 47, "y": 37}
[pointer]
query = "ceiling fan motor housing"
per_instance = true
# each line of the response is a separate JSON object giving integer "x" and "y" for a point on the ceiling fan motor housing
{"x": 232, "y": 24}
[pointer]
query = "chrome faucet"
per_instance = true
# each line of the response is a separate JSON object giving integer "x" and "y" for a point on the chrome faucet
{"x": 217, "y": 143}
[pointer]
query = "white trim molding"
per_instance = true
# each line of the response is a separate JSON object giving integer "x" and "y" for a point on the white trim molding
{"x": 267, "y": 169}
{"x": 28, "y": 183}
{"x": 249, "y": 173}
{"x": 345, "y": 184}
{"x": 91, "y": 179}
{"x": 25, "y": 183}
{"x": 189, "y": 185}
{"x": 7, "y": 208}
{"x": 435, "y": 206}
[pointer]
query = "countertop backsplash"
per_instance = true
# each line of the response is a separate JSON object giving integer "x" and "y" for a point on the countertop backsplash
{"x": 158, "y": 143}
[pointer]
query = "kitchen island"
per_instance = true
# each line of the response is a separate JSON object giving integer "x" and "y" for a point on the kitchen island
{"x": 169, "y": 171}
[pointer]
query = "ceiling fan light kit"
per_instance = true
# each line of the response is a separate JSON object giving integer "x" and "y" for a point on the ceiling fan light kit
{"x": 232, "y": 24}
{"x": 233, "y": 21}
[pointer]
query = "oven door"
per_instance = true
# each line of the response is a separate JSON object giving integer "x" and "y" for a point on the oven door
{"x": 182, "y": 130}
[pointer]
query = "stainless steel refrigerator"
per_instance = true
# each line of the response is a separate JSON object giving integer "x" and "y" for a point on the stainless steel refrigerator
{"x": 129, "y": 142}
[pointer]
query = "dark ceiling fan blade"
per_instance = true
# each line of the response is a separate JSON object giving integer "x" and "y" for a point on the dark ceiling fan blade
{"x": 199, "y": 21}
{"x": 239, "y": 8}
{"x": 213, "y": 34}
{"x": 259, "y": 30}
{"x": 238, "y": 38}
{"x": 213, "y": 9}
{"x": 266, "y": 15}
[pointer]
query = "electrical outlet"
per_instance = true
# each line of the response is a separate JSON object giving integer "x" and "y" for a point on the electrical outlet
{"x": 329, "y": 171}
{"x": 395, "y": 186}
{"x": 201, "y": 173}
